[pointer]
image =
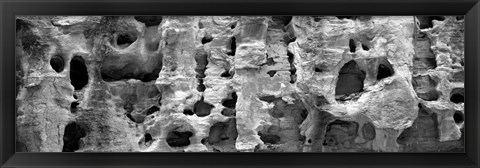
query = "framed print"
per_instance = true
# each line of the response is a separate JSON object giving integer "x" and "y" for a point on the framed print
{"x": 284, "y": 84}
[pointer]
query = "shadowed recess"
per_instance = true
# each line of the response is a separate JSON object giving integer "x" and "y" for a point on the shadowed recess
{"x": 78, "y": 73}
{"x": 457, "y": 95}
{"x": 202, "y": 109}
{"x": 350, "y": 79}
{"x": 57, "y": 63}
{"x": 71, "y": 138}
{"x": 149, "y": 20}
{"x": 179, "y": 139}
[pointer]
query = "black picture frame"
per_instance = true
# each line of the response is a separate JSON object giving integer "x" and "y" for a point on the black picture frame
{"x": 10, "y": 8}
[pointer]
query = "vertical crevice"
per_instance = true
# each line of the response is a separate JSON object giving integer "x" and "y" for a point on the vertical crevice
{"x": 352, "y": 45}
{"x": 232, "y": 47}
{"x": 293, "y": 70}
{"x": 201, "y": 58}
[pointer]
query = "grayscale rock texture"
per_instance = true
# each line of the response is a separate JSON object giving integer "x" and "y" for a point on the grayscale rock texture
{"x": 240, "y": 84}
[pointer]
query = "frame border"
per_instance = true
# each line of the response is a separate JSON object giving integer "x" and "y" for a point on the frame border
{"x": 10, "y": 8}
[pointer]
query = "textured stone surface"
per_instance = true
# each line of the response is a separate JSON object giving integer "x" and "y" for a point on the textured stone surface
{"x": 240, "y": 84}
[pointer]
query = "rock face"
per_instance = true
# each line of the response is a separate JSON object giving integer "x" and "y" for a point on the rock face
{"x": 240, "y": 84}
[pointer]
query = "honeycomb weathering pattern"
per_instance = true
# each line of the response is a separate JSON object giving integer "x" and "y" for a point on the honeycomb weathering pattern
{"x": 240, "y": 83}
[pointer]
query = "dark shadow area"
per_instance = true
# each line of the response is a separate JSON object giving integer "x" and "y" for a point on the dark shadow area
{"x": 78, "y": 73}
{"x": 352, "y": 45}
{"x": 339, "y": 132}
{"x": 426, "y": 21}
{"x": 350, "y": 79}
{"x": 71, "y": 138}
{"x": 179, "y": 139}
{"x": 149, "y": 20}
{"x": 457, "y": 95}
{"x": 57, "y": 63}
{"x": 232, "y": 47}
{"x": 202, "y": 109}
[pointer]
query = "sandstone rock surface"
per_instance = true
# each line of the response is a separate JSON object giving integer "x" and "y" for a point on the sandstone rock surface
{"x": 240, "y": 83}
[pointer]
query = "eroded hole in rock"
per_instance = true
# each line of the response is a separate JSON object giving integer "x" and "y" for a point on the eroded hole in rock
{"x": 269, "y": 138}
{"x": 202, "y": 109}
{"x": 352, "y": 45}
{"x": 188, "y": 112}
{"x": 148, "y": 137}
{"x": 179, "y": 139}
{"x": 207, "y": 39}
{"x": 152, "y": 110}
{"x": 228, "y": 112}
{"x": 57, "y": 63}
{"x": 385, "y": 69}
{"x": 427, "y": 21}
{"x": 231, "y": 102}
{"x": 293, "y": 69}
{"x": 126, "y": 39}
{"x": 223, "y": 131}
{"x": 233, "y": 47}
{"x": 233, "y": 25}
{"x": 226, "y": 74}
{"x": 269, "y": 98}
{"x": 458, "y": 117}
{"x": 271, "y": 73}
{"x": 350, "y": 79}
{"x": 460, "y": 17}
{"x": 365, "y": 47}
{"x": 457, "y": 95}
{"x": 78, "y": 73}
{"x": 425, "y": 87}
{"x": 201, "y": 87}
{"x": 270, "y": 61}
{"x": 73, "y": 107}
{"x": 71, "y": 138}
{"x": 146, "y": 140}
{"x": 201, "y": 58}
{"x": 368, "y": 131}
{"x": 339, "y": 132}
{"x": 149, "y": 20}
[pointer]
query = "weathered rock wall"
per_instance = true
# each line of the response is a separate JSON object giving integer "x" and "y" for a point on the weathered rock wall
{"x": 248, "y": 84}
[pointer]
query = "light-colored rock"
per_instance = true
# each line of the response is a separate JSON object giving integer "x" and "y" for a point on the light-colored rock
{"x": 240, "y": 84}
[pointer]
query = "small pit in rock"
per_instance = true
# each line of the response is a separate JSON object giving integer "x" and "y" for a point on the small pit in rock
{"x": 207, "y": 39}
{"x": 73, "y": 107}
{"x": 188, "y": 112}
{"x": 179, "y": 139}
{"x": 385, "y": 69}
{"x": 352, "y": 45}
{"x": 57, "y": 63}
{"x": 202, "y": 109}
{"x": 458, "y": 117}
{"x": 457, "y": 95}
{"x": 71, "y": 138}
{"x": 231, "y": 101}
{"x": 126, "y": 39}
